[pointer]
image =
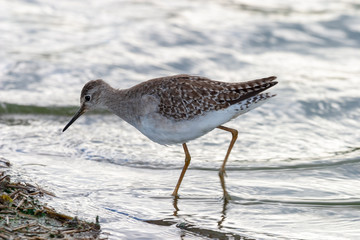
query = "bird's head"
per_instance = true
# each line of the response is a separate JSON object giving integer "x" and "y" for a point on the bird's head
{"x": 90, "y": 98}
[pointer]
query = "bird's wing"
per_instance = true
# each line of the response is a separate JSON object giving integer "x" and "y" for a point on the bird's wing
{"x": 184, "y": 96}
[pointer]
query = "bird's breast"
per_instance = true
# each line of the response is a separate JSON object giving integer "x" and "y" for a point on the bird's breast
{"x": 167, "y": 131}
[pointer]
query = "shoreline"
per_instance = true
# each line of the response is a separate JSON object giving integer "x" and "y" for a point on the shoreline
{"x": 24, "y": 215}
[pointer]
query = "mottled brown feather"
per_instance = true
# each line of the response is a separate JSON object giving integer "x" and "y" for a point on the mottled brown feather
{"x": 184, "y": 96}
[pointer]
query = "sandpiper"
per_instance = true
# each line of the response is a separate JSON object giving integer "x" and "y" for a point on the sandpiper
{"x": 177, "y": 109}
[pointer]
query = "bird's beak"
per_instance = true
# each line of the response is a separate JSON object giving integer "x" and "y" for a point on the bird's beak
{"x": 76, "y": 116}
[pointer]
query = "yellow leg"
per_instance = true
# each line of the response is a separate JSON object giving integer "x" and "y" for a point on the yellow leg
{"x": 223, "y": 186}
{"x": 233, "y": 140}
{"x": 187, "y": 162}
{"x": 222, "y": 169}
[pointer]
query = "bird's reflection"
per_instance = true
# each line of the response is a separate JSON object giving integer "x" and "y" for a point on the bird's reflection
{"x": 226, "y": 198}
{"x": 175, "y": 204}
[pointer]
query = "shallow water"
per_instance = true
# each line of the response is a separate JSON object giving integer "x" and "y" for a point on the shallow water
{"x": 294, "y": 172}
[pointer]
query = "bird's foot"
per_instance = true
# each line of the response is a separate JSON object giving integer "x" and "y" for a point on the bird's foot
{"x": 175, "y": 195}
{"x": 222, "y": 173}
{"x": 226, "y": 196}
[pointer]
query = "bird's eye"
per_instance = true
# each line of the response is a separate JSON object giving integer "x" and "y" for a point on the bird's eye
{"x": 87, "y": 98}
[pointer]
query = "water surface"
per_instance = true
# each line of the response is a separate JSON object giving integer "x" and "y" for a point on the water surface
{"x": 294, "y": 172}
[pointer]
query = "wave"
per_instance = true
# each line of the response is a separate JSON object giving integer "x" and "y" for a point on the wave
{"x": 11, "y": 108}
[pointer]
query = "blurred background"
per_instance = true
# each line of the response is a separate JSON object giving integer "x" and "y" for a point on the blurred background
{"x": 294, "y": 172}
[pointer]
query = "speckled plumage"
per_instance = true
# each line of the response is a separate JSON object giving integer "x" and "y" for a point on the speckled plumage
{"x": 183, "y": 97}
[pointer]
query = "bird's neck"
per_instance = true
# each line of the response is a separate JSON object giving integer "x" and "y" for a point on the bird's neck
{"x": 120, "y": 102}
